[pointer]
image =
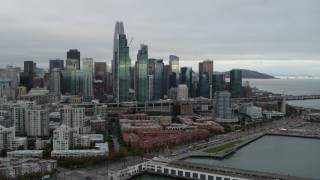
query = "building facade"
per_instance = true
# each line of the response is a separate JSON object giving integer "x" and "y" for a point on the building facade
{"x": 186, "y": 78}
{"x": 141, "y": 74}
{"x": 37, "y": 121}
{"x": 87, "y": 69}
{"x": 236, "y": 83}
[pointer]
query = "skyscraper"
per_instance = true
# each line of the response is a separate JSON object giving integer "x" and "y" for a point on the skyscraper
{"x": 87, "y": 68}
{"x": 56, "y": 63}
{"x": 75, "y": 55}
{"x": 55, "y": 82}
{"x": 141, "y": 73}
{"x": 29, "y": 72}
{"x": 186, "y": 78}
{"x": 100, "y": 79}
{"x": 158, "y": 79}
{"x": 206, "y": 66}
{"x": 218, "y": 80}
{"x": 174, "y": 66}
{"x": 222, "y": 103}
{"x": 166, "y": 78}
{"x": 151, "y": 63}
{"x": 121, "y": 64}
{"x": 204, "y": 88}
{"x": 236, "y": 83}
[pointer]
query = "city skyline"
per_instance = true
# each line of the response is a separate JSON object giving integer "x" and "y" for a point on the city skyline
{"x": 265, "y": 36}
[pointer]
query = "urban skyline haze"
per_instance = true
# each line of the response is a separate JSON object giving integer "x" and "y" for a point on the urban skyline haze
{"x": 274, "y": 37}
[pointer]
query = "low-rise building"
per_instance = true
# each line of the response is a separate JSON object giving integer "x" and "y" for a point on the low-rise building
{"x": 254, "y": 112}
{"x": 102, "y": 150}
{"x": 13, "y": 167}
{"x": 272, "y": 114}
{"x": 25, "y": 154}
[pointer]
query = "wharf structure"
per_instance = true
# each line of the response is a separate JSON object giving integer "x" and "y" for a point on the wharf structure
{"x": 187, "y": 170}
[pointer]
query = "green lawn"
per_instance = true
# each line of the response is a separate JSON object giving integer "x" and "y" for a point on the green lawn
{"x": 222, "y": 147}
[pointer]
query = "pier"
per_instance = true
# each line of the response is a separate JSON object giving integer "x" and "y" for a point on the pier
{"x": 226, "y": 152}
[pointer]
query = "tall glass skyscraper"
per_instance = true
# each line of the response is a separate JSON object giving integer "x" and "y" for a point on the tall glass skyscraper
{"x": 236, "y": 83}
{"x": 218, "y": 80}
{"x": 121, "y": 64}
{"x": 174, "y": 66}
{"x": 141, "y": 73}
{"x": 158, "y": 79}
{"x": 204, "y": 88}
{"x": 186, "y": 78}
{"x": 73, "y": 54}
{"x": 206, "y": 66}
{"x": 87, "y": 68}
{"x": 55, "y": 82}
{"x": 56, "y": 63}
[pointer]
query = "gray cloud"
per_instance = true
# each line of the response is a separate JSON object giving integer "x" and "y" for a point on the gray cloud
{"x": 274, "y": 30}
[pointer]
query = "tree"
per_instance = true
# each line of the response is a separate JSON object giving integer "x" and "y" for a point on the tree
{"x": 3, "y": 153}
{"x": 176, "y": 110}
{"x": 21, "y": 148}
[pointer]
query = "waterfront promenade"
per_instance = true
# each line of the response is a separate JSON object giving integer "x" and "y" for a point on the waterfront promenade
{"x": 101, "y": 171}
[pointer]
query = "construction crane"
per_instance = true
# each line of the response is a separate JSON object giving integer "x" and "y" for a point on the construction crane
{"x": 130, "y": 42}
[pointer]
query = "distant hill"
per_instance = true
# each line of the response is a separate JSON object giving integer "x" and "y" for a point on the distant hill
{"x": 248, "y": 74}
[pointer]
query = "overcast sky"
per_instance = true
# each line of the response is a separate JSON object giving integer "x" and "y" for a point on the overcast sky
{"x": 271, "y": 36}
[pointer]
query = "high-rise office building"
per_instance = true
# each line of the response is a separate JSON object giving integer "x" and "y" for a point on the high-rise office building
{"x": 55, "y": 82}
{"x": 121, "y": 64}
{"x": 207, "y": 66}
{"x": 204, "y": 87}
{"x": 100, "y": 70}
{"x": 87, "y": 68}
{"x": 13, "y": 74}
{"x": 100, "y": 79}
{"x": 236, "y": 83}
{"x": 72, "y": 63}
{"x": 29, "y": 72}
{"x": 77, "y": 82}
{"x": 56, "y": 63}
{"x": 174, "y": 66}
{"x": 166, "y": 76}
{"x": 158, "y": 79}
{"x": 222, "y": 103}
{"x": 172, "y": 80}
{"x": 37, "y": 121}
{"x": 186, "y": 78}
{"x": 151, "y": 64}
{"x": 141, "y": 73}
{"x": 150, "y": 87}
{"x": 74, "y": 54}
{"x": 218, "y": 80}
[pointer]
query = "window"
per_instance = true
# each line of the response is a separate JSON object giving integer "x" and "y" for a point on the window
{"x": 195, "y": 175}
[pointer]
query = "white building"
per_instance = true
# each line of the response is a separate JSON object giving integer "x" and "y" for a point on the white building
{"x": 103, "y": 150}
{"x": 25, "y": 154}
{"x": 182, "y": 92}
{"x": 8, "y": 140}
{"x": 37, "y": 121}
{"x": 254, "y": 112}
{"x": 271, "y": 114}
{"x": 13, "y": 167}
{"x": 74, "y": 116}
{"x": 65, "y": 137}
